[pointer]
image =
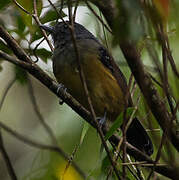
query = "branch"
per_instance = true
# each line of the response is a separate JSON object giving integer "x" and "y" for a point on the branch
{"x": 38, "y": 113}
{"x": 3, "y": 151}
{"x": 6, "y": 158}
{"x": 10, "y": 84}
{"x": 142, "y": 78}
{"x": 151, "y": 95}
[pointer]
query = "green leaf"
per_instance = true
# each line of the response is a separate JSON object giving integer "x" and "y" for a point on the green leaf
{"x": 118, "y": 122}
{"x": 84, "y": 131}
{"x": 20, "y": 24}
{"x": 39, "y": 7}
{"x": 36, "y": 34}
{"x": 105, "y": 164}
{"x": 4, "y": 3}
{"x": 50, "y": 15}
{"x": 21, "y": 75}
{"x": 28, "y": 6}
{"x": 4, "y": 47}
{"x": 43, "y": 54}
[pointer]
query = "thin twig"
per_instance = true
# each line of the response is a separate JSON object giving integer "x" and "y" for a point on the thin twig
{"x": 115, "y": 157}
{"x": 75, "y": 10}
{"x": 62, "y": 3}
{"x": 133, "y": 113}
{"x": 22, "y": 8}
{"x": 165, "y": 70}
{"x": 133, "y": 88}
{"x": 98, "y": 17}
{"x": 83, "y": 80}
{"x": 166, "y": 90}
{"x": 139, "y": 175}
{"x": 7, "y": 160}
{"x": 10, "y": 84}
{"x": 144, "y": 163}
{"x": 70, "y": 160}
{"x": 38, "y": 113}
{"x": 175, "y": 111}
{"x": 59, "y": 13}
{"x": 162, "y": 39}
{"x": 2, "y": 148}
{"x": 35, "y": 16}
{"x": 157, "y": 82}
{"x": 124, "y": 126}
{"x": 116, "y": 154}
{"x": 158, "y": 155}
{"x": 34, "y": 50}
{"x": 170, "y": 58}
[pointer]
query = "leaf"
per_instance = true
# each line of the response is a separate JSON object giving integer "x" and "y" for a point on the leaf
{"x": 43, "y": 54}
{"x": 4, "y": 47}
{"x": 105, "y": 164}
{"x": 36, "y": 34}
{"x": 51, "y": 15}
{"x": 20, "y": 24}
{"x": 39, "y": 7}
{"x": 4, "y": 3}
{"x": 21, "y": 75}
{"x": 28, "y": 6}
{"x": 84, "y": 131}
{"x": 118, "y": 122}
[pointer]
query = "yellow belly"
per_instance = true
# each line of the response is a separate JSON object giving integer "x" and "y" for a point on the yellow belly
{"x": 104, "y": 91}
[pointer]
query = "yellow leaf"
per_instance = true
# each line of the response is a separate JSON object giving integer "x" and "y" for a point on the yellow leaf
{"x": 65, "y": 172}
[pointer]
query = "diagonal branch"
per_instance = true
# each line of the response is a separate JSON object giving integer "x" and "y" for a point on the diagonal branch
{"x": 3, "y": 151}
{"x": 156, "y": 105}
{"x": 38, "y": 113}
{"x": 6, "y": 158}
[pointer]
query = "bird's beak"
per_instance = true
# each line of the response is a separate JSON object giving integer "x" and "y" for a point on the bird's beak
{"x": 47, "y": 28}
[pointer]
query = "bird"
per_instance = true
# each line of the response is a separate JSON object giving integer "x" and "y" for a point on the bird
{"x": 106, "y": 83}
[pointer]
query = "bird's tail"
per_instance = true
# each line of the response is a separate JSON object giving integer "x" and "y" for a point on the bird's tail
{"x": 138, "y": 137}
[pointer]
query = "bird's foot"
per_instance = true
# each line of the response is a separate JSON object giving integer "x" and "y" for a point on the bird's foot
{"x": 61, "y": 87}
{"x": 102, "y": 120}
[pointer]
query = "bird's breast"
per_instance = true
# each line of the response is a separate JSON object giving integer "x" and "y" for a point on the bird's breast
{"x": 104, "y": 91}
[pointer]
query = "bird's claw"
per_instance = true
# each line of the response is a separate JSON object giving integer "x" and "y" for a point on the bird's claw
{"x": 102, "y": 120}
{"x": 61, "y": 86}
